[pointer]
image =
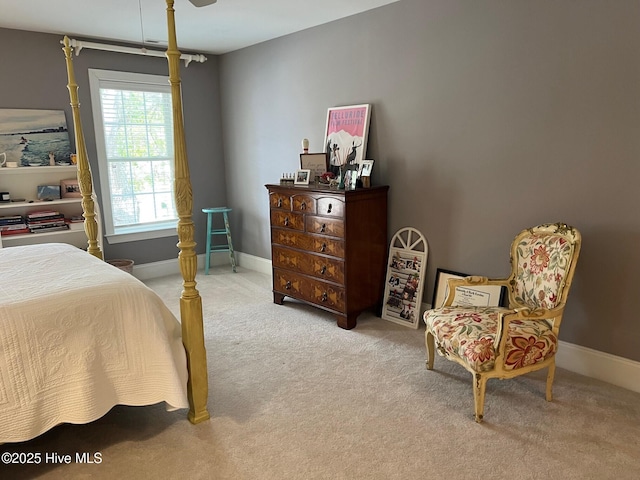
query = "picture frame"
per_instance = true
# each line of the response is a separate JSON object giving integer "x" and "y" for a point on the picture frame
{"x": 48, "y": 192}
{"x": 404, "y": 283}
{"x": 43, "y": 137}
{"x": 346, "y": 135}
{"x": 316, "y": 162}
{"x": 70, "y": 189}
{"x": 302, "y": 176}
{"x": 476, "y": 295}
{"x": 365, "y": 168}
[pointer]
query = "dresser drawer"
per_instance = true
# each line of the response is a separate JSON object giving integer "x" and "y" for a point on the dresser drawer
{"x": 325, "y": 226}
{"x": 332, "y": 206}
{"x": 284, "y": 219}
{"x": 311, "y": 243}
{"x": 308, "y": 289}
{"x": 280, "y": 200}
{"x": 303, "y": 204}
{"x": 324, "y": 268}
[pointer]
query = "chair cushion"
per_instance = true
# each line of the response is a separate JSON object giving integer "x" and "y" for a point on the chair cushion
{"x": 469, "y": 333}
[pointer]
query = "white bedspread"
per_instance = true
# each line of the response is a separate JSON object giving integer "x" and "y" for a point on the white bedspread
{"x": 77, "y": 337}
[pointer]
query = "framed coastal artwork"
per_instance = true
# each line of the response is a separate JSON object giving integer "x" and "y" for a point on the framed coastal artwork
{"x": 34, "y": 137}
{"x": 345, "y": 137}
{"x": 404, "y": 284}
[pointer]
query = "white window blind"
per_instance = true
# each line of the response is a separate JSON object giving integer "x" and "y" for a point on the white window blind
{"x": 134, "y": 139}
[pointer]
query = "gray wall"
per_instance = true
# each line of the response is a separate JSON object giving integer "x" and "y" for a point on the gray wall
{"x": 33, "y": 75}
{"x": 488, "y": 117}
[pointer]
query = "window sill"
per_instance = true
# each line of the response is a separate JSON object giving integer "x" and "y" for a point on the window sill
{"x": 134, "y": 235}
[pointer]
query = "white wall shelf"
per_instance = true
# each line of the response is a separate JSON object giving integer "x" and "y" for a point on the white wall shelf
{"x": 69, "y": 169}
{"x": 38, "y": 204}
{"x": 22, "y": 183}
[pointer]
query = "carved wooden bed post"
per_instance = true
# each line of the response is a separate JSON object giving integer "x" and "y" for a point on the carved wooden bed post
{"x": 84, "y": 171}
{"x": 190, "y": 301}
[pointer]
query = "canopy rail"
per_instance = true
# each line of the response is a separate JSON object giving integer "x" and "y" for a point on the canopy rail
{"x": 78, "y": 45}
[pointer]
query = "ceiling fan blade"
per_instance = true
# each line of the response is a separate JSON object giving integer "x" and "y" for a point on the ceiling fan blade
{"x": 202, "y": 3}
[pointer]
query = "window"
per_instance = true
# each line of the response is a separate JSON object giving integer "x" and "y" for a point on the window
{"x": 134, "y": 139}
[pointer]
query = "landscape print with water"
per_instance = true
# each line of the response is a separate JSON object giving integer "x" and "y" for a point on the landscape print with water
{"x": 34, "y": 137}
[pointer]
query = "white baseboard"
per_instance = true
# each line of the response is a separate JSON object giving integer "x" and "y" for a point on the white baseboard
{"x": 603, "y": 366}
{"x": 252, "y": 262}
{"x": 609, "y": 368}
{"x": 148, "y": 271}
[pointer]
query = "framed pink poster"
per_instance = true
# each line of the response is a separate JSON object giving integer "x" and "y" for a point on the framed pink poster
{"x": 345, "y": 138}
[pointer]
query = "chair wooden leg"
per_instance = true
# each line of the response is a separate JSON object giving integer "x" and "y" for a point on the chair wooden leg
{"x": 479, "y": 386}
{"x": 431, "y": 345}
{"x": 550, "y": 375}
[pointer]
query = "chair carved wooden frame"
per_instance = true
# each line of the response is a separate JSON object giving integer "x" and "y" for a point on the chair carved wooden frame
{"x": 497, "y": 342}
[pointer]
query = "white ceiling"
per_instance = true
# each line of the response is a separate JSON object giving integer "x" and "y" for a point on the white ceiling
{"x": 219, "y": 28}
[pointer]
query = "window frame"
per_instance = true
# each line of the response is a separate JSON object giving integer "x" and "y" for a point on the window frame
{"x": 152, "y": 83}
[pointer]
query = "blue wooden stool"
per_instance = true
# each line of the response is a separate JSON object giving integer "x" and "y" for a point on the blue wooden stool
{"x": 228, "y": 247}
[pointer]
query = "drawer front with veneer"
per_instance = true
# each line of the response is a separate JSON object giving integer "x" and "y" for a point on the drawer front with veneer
{"x": 314, "y": 291}
{"x": 279, "y": 200}
{"x": 303, "y": 203}
{"x": 325, "y": 226}
{"x": 325, "y": 268}
{"x": 330, "y": 206}
{"x": 291, "y": 220}
{"x": 311, "y": 243}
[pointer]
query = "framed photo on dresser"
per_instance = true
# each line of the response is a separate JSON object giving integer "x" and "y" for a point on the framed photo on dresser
{"x": 302, "y": 177}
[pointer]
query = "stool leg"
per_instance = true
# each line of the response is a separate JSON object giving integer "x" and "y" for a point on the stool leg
{"x": 232, "y": 255}
{"x": 208, "y": 257}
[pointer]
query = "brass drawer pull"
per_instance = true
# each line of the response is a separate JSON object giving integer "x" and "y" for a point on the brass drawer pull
{"x": 323, "y": 228}
{"x": 288, "y": 285}
{"x": 323, "y": 270}
{"x": 286, "y": 221}
{"x": 324, "y": 297}
{"x": 329, "y": 209}
{"x": 303, "y": 206}
{"x": 323, "y": 248}
{"x": 279, "y": 202}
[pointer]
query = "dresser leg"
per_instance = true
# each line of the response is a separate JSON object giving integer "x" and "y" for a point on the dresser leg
{"x": 347, "y": 321}
{"x": 278, "y": 298}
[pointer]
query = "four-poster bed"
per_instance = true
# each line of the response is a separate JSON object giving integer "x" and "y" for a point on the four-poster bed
{"x": 94, "y": 336}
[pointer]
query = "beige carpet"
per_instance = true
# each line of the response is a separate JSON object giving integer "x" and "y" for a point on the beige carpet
{"x": 295, "y": 397}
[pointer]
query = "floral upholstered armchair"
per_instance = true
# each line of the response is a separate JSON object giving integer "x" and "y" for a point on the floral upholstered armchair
{"x": 498, "y": 342}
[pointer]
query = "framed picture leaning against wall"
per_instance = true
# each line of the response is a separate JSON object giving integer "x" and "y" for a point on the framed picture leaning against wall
{"x": 346, "y": 135}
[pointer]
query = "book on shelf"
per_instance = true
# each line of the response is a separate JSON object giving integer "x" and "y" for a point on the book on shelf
{"x": 11, "y": 219}
{"x": 46, "y": 220}
{"x": 74, "y": 224}
{"x": 44, "y": 226}
{"x": 49, "y": 229}
{"x": 15, "y": 226}
{"x": 17, "y": 231}
{"x": 42, "y": 213}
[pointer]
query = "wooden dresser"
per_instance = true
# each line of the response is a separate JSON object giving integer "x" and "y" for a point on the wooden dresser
{"x": 329, "y": 247}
